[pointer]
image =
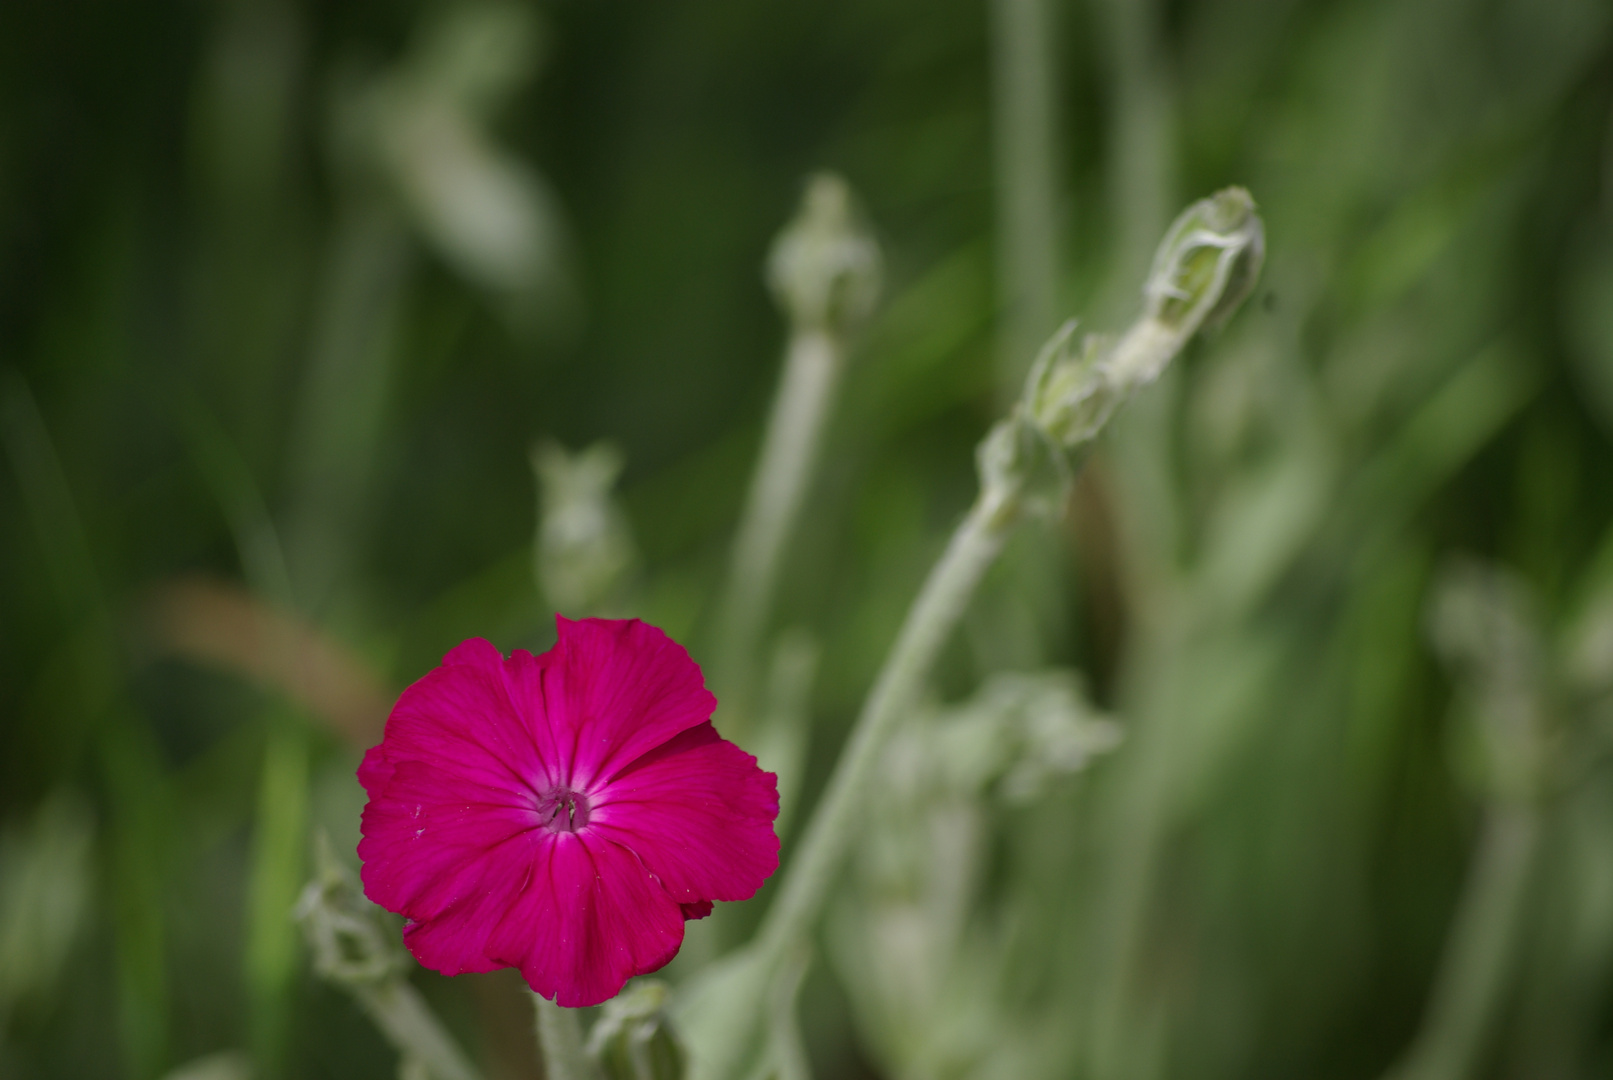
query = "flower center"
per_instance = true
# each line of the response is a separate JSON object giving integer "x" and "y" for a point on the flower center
{"x": 563, "y": 810}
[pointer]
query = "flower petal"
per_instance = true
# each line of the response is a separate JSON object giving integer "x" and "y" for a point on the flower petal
{"x": 618, "y": 688}
{"x": 590, "y": 918}
{"x": 426, "y": 846}
{"x": 459, "y": 717}
{"x": 700, "y": 818}
{"x": 476, "y": 652}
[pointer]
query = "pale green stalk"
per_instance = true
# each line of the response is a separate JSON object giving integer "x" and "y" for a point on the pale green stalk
{"x": 1474, "y": 970}
{"x": 1484, "y": 625}
{"x": 560, "y": 1040}
{"x": 1141, "y": 169}
{"x": 789, "y": 1060}
{"x": 278, "y": 844}
{"x": 790, "y": 449}
{"x": 276, "y": 871}
{"x": 408, "y": 1023}
{"x": 930, "y": 621}
{"x": 1205, "y": 267}
{"x": 1024, "y": 157}
{"x": 824, "y": 270}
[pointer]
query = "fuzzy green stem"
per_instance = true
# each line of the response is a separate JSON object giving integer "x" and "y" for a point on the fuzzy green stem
{"x": 789, "y": 1056}
{"x": 409, "y": 1024}
{"x": 812, "y": 367}
{"x": 560, "y": 1040}
{"x": 930, "y": 622}
{"x": 1473, "y": 972}
{"x": 813, "y": 869}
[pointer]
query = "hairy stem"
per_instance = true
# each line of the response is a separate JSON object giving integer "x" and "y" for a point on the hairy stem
{"x": 409, "y": 1024}
{"x": 930, "y": 621}
{"x": 560, "y": 1040}
{"x": 812, "y": 368}
{"x": 1473, "y": 972}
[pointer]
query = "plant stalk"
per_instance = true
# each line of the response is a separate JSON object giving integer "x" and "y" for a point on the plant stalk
{"x": 812, "y": 366}
{"x": 409, "y": 1024}
{"x": 560, "y": 1040}
{"x": 930, "y": 621}
{"x": 1473, "y": 972}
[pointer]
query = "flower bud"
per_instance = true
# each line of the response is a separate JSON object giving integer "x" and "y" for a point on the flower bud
{"x": 1205, "y": 267}
{"x": 633, "y": 1040}
{"x": 1207, "y": 264}
{"x": 350, "y": 943}
{"x": 1070, "y": 393}
{"x": 584, "y": 549}
{"x": 825, "y": 268}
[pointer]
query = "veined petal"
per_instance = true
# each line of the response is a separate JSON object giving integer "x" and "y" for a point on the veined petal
{"x": 454, "y": 940}
{"x": 616, "y": 689}
{"x": 590, "y": 918}
{"x": 427, "y": 845}
{"x": 524, "y": 681}
{"x": 701, "y": 818}
{"x": 459, "y": 718}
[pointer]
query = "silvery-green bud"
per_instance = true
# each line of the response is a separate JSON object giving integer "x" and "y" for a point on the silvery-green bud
{"x": 1069, "y": 394}
{"x": 825, "y": 268}
{"x": 351, "y": 944}
{"x": 584, "y": 549}
{"x": 1205, "y": 267}
{"x": 1208, "y": 262}
{"x": 634, "y": 1040}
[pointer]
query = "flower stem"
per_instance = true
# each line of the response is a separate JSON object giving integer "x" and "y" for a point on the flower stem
{"x": 721, "y": 1014}
{"x": 1473, "y": 972}
{"x": 812, "y": 368}
{"x": 560, "y": 1040}
{"x": 975, "y": 544}
{"x": 409, "y": 1024}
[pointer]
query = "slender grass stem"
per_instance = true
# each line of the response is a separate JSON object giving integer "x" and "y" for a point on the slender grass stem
{"x": 1026, "y": 182}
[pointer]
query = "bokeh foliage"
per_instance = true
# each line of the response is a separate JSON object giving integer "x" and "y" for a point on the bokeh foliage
{"x": 261, "y": 416}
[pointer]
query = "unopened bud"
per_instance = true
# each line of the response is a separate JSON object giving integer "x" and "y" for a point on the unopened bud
{"x": 1208, "y": 262}
{"x": 825, "y": 268}
{"x": 584, "y": 549}
{"x": 1205, "y": 267}
{"x": 351, "y": 944}
{"x": 634, "y": 1040}
{"x": 1070, "y": 394}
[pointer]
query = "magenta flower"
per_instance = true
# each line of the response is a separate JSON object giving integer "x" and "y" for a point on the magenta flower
{"x": 563, "y": 813}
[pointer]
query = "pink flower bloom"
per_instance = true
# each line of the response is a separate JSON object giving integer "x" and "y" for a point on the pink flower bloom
{"x": 563, "y": 813}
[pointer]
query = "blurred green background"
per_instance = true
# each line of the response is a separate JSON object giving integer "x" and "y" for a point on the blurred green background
{"x": 288, "y": 290}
